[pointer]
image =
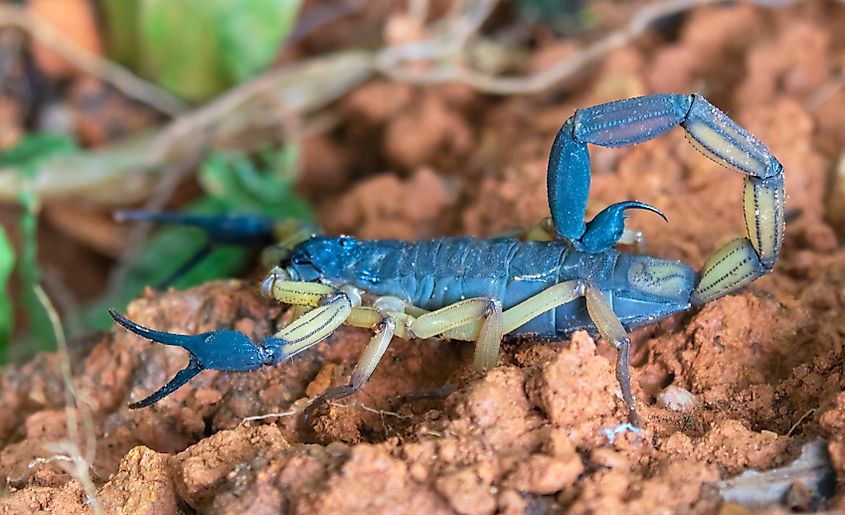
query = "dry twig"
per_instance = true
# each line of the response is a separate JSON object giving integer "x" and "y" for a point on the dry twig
{"x": 105, "y": 70}
{"x": 391, "y": 64}
{"x": 271, "y": 415}
{"x": 827, "y": 91}
{"x": 69, "y": 452}
{"x": 364, "y": 407}
{"x": 799, "y": 421}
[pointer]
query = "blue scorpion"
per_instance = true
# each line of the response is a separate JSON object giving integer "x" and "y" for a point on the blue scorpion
{"x": 564, "y": 276}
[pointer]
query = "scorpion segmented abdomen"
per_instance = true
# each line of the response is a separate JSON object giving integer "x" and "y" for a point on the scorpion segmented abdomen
{"x": 434, "y": 273}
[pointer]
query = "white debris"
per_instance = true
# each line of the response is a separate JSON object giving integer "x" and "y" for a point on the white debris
{"x": 676, "y": 399}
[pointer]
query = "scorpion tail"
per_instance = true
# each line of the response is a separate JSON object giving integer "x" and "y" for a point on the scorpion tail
{"x": 222, "y": 229}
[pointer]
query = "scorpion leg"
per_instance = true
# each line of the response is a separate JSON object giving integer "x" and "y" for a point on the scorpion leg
{"x": 367, "y": 363}
{"x": 489, "y": 331}
{"x": 520, "y": 314}
{"x": 543, "y": 231}
{"x": 478, "y": 319}
{"x": 633, "y": 237}
{"x": 611, "y": 329}
{"x": 489, "y": 337}
{"x": 487, "y": 311}
{"x": 600, "y": 311}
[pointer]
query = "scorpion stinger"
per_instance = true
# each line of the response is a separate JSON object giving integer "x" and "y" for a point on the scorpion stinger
{"x": 607, "y": 227}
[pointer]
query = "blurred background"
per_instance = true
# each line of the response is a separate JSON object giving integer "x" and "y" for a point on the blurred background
{"x": 384, "y": 118}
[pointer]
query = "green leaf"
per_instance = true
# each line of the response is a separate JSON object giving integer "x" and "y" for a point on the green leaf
{"x": 199, "y": 48}
{"x": 179, "y": 48}
{"x": 29, "y": 272}
{"x": 7, "y": 265}
{"x": 34, "y": 148}
{"x": 266, "y": 22}
{"x": 25, "y": 157}
{"x": 265, "y": 189}
{"x": 121, "y": 29}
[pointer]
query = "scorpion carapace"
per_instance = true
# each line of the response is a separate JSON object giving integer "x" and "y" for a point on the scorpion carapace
{"x": 565, "y": 275}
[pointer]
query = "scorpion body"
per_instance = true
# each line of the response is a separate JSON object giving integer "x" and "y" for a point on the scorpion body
{"x": 565, "y": 275}
{"x": 431, "y": 274}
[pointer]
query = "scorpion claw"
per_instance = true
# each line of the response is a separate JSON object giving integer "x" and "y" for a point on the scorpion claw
{"x": 247, "y": 230}
{"x": 181, "y": 377}
{"x": 180, "y": 340}
{"x": 221, "y": 229}
{"x": 215, "y": 350}
{"x": 606, "y": 228}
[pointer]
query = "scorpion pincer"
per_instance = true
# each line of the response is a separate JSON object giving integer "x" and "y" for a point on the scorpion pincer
{"x": 564, "y": 276}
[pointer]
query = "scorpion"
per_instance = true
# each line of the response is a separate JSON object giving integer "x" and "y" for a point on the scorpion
{"x": 562, "y": 277}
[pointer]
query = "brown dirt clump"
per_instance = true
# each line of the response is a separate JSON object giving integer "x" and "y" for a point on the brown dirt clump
{"x": 740, "y": 384}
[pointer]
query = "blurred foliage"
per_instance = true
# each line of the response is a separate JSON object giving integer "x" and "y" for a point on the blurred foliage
{"x": 564, "y": 16}
{"x": 7, "y": 265}
{"x": 197, "y": 48}
{"x": 25, "y": 158}
{"x": 234, "y": 183}
{"x": 34, "y": 148}
{"x": 263, "y": 187}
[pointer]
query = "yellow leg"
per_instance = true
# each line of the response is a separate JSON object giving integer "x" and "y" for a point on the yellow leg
{"x": 449, "y": 317}
{"x": 611, "y": 329}
{"x": 373, "y": 353}
{"x": 487, "y": 313}
{"x": 600, "y": 311}
{"x": 331, "y": 308}
{"x": 478, "y": 319}
{"x": 527, "y": 310}
{"x": 315, "y": 325}
{"x": 489, "y": 337}
{"x": 543, "y": 231}
{"x": 296, "y": 292}
{"x": 481, "y": 320}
